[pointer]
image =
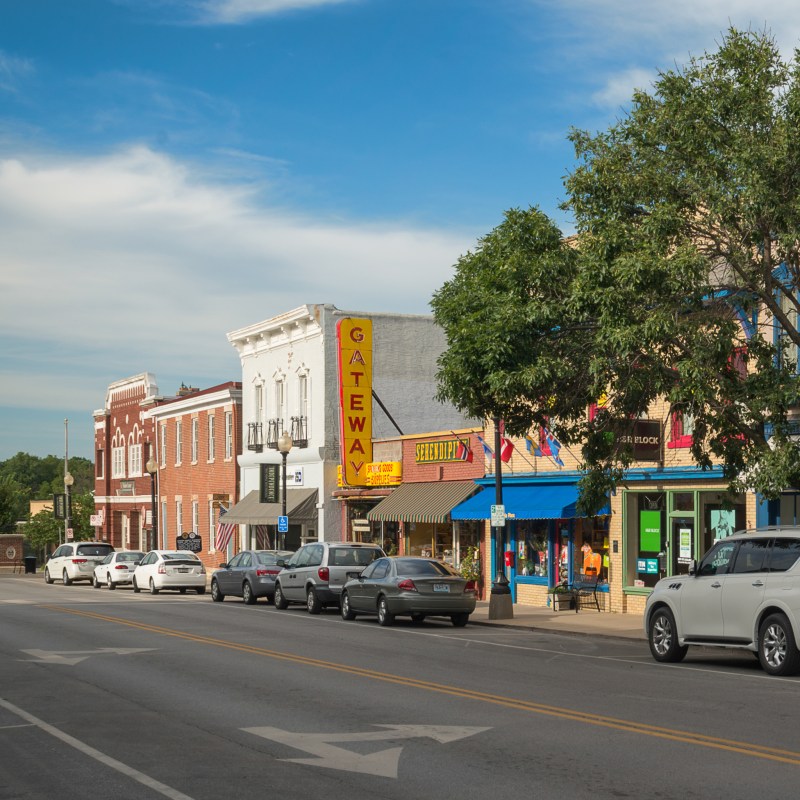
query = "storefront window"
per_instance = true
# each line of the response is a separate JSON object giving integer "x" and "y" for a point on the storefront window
{"x": 533, "y": 549}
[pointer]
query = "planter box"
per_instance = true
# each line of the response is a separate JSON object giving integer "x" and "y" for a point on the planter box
{"x": 563, "y": 601}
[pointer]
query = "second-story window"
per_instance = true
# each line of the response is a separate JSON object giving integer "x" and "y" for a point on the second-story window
{"x": 228, "y": 434}
{"x": 134, "y": 460}
{"x": 302, "y": 399}
{"x": 163, "y": 444}
{"x": 117, "y": 462}
{"x": 210, "y": 437}
{"x": 195, "y": 516}
{"x": 178, "y": 441}
{"x": 279, "y": 400}
{"x": 195, "y": 436}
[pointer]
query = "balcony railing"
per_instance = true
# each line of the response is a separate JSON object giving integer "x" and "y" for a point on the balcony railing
{"x": 274, "y": 431}
{"x": 299, "y": 432}
{"x": 255, "y": 436}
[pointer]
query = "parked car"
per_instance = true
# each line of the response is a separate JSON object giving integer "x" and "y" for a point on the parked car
{"x": 409, "y": 586}
{"x": 116, "y": 568}
{"x": 170, "y": 569}
{"x": 75, "y": 561}
{"x": 745, "y": 593}
{"x": 315, "y": 574}
{"x": 250, "y": 574}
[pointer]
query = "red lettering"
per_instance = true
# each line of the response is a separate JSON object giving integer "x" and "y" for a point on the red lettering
{"x": 357, "y": 334}
{"x": 356, "y": 467}
{"x": 356, "y": 402}
{"x": 357, "y": 423}
{"x": 357, "y": 375}
{"x": 357, "y": 358}
{"x": 357, "y": 446}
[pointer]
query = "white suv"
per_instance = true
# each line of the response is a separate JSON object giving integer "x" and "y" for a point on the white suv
{"x": 745, "y": 593}
{"x": 75, "y": 561}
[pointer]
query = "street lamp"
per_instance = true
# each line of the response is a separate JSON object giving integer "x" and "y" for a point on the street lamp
{"x": 68, "y": 481}
{"x": 500, "y": 605}
{"x": 284, "y": 446}
{"x": 152, "y": 468}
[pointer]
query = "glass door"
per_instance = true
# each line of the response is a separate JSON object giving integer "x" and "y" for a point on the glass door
{"x": 681, "y": 544}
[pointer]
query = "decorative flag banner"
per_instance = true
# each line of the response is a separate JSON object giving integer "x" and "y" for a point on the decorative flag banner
{"x": 533, "y": 447}
{"x": 555, "y": 447}
{"x": 506, "y": 449}
{"x": 488, "y": 452}
{"x": 224, "y": 532}
{"x": 464, "y": 453}
{"x": 262, "y": 537}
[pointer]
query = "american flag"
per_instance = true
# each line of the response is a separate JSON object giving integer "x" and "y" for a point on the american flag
{"x": 224, "y": 530}
{"x": 262, "y": 537}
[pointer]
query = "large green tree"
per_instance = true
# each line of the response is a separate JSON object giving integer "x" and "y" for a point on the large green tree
{"x": 688, "y": 247}
{"x": 13, "y": 504}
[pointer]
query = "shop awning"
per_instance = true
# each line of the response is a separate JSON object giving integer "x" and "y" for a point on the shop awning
{"x": 545, "y": 501}
{"x": 301, "y": 507}
{"x": 422, "y": 502}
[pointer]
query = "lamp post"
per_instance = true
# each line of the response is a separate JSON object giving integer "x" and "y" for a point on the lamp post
{"x": 68, "y": 481}
{"x": 152, "y": 468}
{"x": 284, "y": 446}
{"x": 500, "y": 605}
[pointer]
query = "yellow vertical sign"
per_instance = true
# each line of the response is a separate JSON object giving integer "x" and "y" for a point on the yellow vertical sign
{"x": 355, "y": 396}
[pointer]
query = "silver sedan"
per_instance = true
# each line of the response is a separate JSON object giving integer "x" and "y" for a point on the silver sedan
{"x": 409, "y": 586}
{"x": 250, "y": 574}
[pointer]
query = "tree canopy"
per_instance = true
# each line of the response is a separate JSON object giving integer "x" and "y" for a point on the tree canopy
{"x": 681, "y": 283}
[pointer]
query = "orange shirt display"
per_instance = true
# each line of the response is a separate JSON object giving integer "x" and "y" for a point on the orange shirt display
{"x": 592, "y": 562}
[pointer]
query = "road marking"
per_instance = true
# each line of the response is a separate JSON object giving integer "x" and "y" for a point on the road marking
{"x": 86, "y": 749}
{"x": 383, "y": 763}
{"x": 767, "y": 752}
{"x": 73, "y": 657}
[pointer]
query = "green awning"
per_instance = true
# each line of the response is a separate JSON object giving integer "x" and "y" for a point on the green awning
{"x": 301, "y": 507}
{"x": 422, "y": 502}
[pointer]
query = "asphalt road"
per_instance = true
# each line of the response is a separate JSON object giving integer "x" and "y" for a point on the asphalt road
{"x": 116, "y": 695}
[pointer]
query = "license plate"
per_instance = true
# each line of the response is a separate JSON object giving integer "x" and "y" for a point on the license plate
{"x": 181, "y": 569}
{"x": 441, "y": 587}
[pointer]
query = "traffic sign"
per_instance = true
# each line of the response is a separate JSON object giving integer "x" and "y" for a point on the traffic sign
{"x": 498, "y": 516}
{"x": 283, "y": 524}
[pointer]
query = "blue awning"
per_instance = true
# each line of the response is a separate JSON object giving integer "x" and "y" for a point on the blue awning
{"x": 545, "y": 501}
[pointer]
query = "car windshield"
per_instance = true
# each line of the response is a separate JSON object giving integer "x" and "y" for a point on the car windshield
{"x": 410, "y": 566}
{"x": 130, "y": 556}
{"x": 94, "y": 550}
{"x": 182, "y": 556}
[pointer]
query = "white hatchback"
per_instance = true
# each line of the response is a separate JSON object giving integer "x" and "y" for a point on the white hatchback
{"x": 116, "y": 569}
{"x": 75, "y": 561}
{"x": 744, "y": 593}
{"x": 170, "y": 569}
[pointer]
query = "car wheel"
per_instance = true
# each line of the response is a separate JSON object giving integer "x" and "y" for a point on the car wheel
{"x": 65, "y": 579}
{"x": 385, "y": 617}
{"x": 662, "y": 636}
{"x": 777, "y": 648}
{"x": 182, "y": 590}
{"x": 201, "y": 590}
{"x": 95, "y": 582}
{"x": 418, "y": 618}
{"x": 459, "y": 620}
{"x": 312, "y": 601}
{"x": 110, "y": 583}
{"x": 280, "y": 601}
{"x": 347, "y": 612}
{"x": 153, "y": 589}
{"x": 247, "y": 594}
{"x": 47, "y": 578}
{"x": 136, "y": 586}
{"x": 216, "y": 595}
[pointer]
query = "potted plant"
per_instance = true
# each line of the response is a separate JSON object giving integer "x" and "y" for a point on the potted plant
{"x": 470, "y": 568}
{"x": 563, "y": 597}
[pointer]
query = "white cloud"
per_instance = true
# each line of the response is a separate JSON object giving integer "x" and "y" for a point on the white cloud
{"x": 12, "y": 69}
{"x": 237, "y": 11}
{"x": 133, "y": 262}
{"x": 619, "y": 87}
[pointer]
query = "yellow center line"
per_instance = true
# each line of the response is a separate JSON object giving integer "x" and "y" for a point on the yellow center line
{"x": 744, "y": 748}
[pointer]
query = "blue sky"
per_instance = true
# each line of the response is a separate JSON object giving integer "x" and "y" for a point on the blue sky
{"x": 172, "y": 170}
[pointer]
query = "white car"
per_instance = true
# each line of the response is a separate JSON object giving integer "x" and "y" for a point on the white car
{"x": 75, "y": 561}
{"x": 116, "y": 568}
{"x": 744, "y": 594}
{"x": 170, "y": 569}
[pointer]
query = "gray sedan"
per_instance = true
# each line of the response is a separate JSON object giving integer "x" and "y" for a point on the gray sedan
{"x": 249, "y": 575}
{"x": 410, "y": 586}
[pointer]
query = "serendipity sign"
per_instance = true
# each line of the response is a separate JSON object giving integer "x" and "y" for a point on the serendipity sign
{"x": 354, "y": 338}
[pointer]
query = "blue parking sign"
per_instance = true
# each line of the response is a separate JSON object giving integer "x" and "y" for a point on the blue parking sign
{"x": 283, "y": 524}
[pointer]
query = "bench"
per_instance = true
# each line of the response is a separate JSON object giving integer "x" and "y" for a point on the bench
{"x": 584, "y": 587}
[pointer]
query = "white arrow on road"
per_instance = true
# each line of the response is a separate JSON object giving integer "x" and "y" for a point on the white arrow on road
{"x": 383, "y": 763}
{"x": 72, "y": 657}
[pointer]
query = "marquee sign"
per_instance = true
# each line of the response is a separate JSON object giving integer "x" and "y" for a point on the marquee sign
{"x": 354, "y": 339}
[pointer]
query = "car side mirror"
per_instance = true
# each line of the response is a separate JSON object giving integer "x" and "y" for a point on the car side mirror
{"x": 224, "y": 565}
{"x": 136, "y": 563}
{"x": 693, "y": 567}
{"x": 280, "y": 562}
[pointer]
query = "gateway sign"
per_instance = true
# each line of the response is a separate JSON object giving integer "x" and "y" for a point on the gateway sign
{"x": 354, "y": 339}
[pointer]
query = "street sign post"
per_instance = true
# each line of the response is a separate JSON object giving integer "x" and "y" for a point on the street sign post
{"x": 283, "y": 524}
{"x": 498, "y": 516}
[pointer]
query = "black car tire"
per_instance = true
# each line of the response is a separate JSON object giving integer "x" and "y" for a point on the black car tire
{"x": 201, "y": 590}
{"x": 777, "y": 647}
{"x": 662, "y": 636}
{"x": 347, "y": 612}
{"x": 247, "y": 594}
{"x": 95, "y": 582}
{"x": 47, "y": 578}
{"x": 312, "y": 601}
{"x": 110, "y": 583}
{"x": 385, "y": 617}
{"x": 153, "y": 589}
{"x": 417, "y": 617}
{"x": 280, "y": 601}
{"x": 182, "y": 590}
{"x": 216, "y": 594}
{"x": 459, "y": 620}
{"x": 136, "y": 588}
{"x": 65, "y": 579}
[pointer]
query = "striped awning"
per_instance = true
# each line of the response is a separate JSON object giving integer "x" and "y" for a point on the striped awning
{"x": 422, "y": 502}
{"x": 301, "y": 506}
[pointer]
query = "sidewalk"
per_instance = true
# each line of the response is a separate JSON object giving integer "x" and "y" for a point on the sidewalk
{"x": 588, "y": 621}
